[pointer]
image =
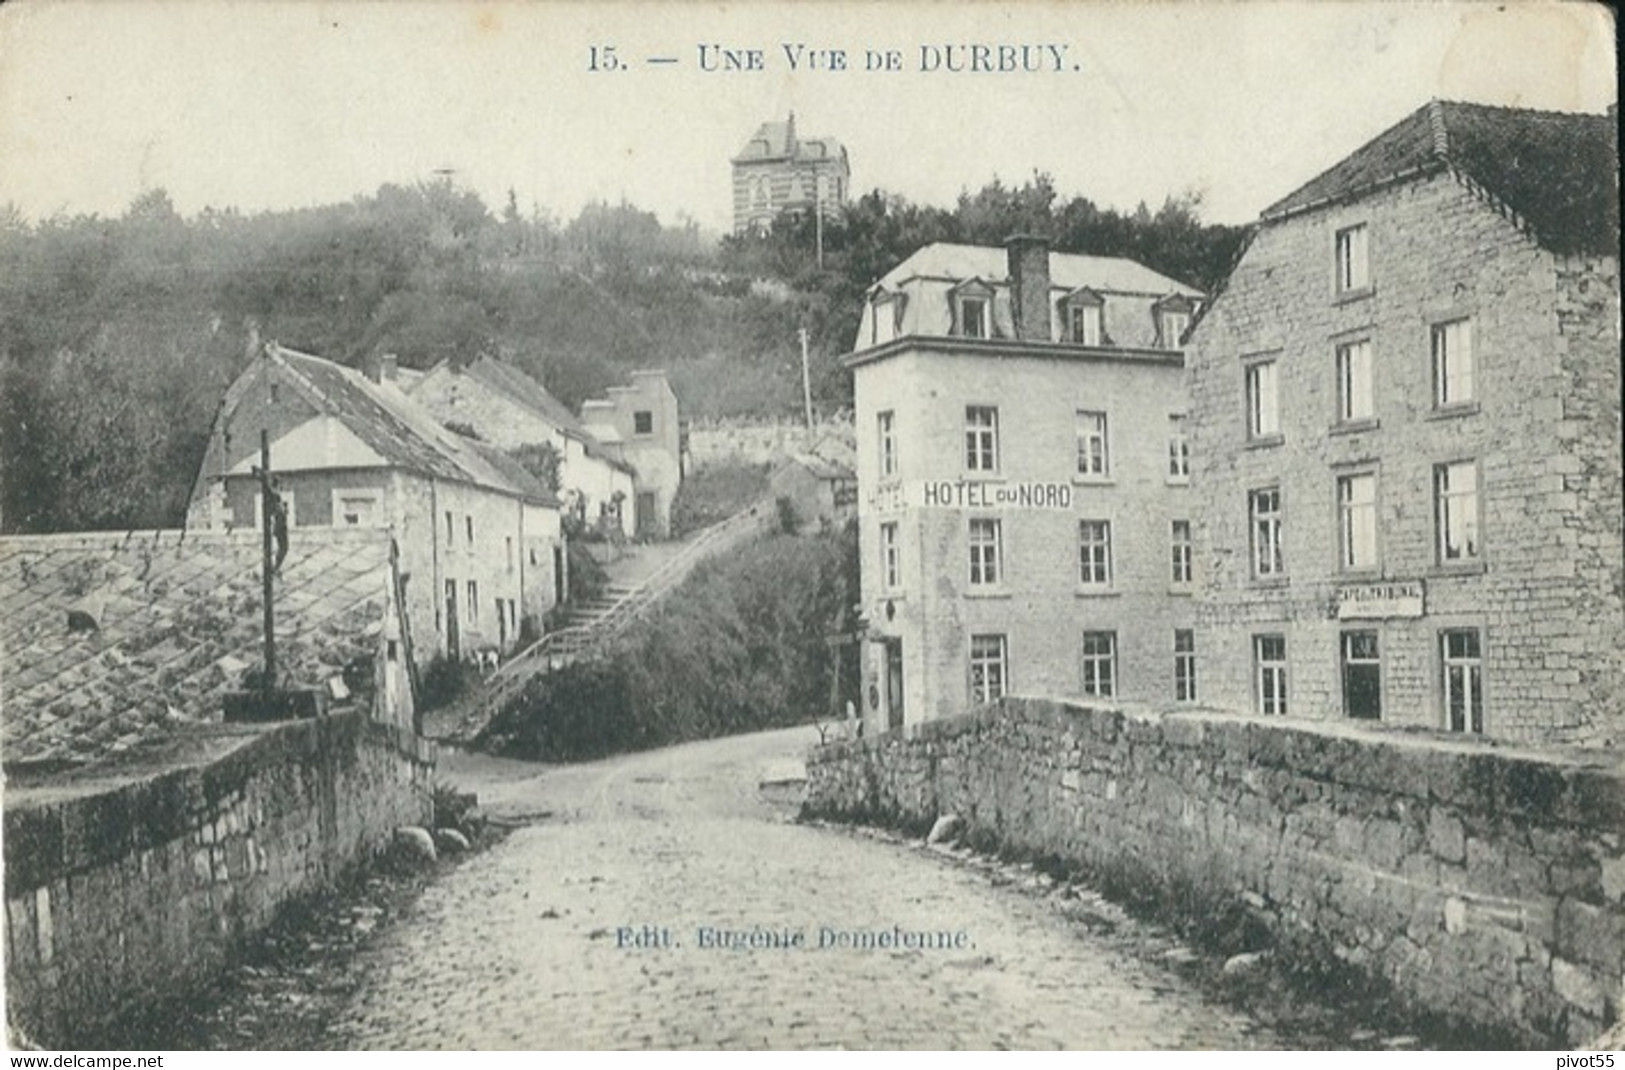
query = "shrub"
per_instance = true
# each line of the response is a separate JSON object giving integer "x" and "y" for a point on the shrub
{"x": 740, "y": 646}
{"x": 445, "y": 680}
{"x": 714, "y": 493}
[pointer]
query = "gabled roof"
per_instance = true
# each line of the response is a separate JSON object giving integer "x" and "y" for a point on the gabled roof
{"x": 1559, "y": 172}
{"x": 1068, "y": 271}
{"x": 505, "y": 379}
{"x": 400, "y": 430}
{"x": 178, "y": 622}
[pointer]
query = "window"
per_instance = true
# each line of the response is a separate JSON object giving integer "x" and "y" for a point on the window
{"x": 1362, "y": 676}
{"x": 451, "y": 530}
{"x": 888, "y": 443}
{"x": 1083, "y": 324}
{"x": 473, "y": 603}
{"x": 1262, "y": 416}
{"x": 643, "y": 422}
{"x": 973, "y": 317}
{"x": 986, "y": 552}
{"x": 1269, "y": 673}
{"x": 1357, "y": 521}
{"x": 981, "y": 438}
{"x": 1463, "y": 662}
{"x": 508, "y": 541}
{"x": 1091, "y": 435}
{"x": 1353, "y": 260}
{"x": 355, "y": 510}
{"x": 987, "y": 668}
{"x": 1095, "y": 553}
{"x": 1100, "y": 664}
{"x": 1264, "y": 508}
{"x": 1179, "y": 451}
{"x": 468, "y": 524}
{"x": 1354, "y": 399}
{"x": 1453, "y": 372}
{"x": 1455, "y": 506}
{"x": 1172, "y": 326}
{"x": 891, "y": 567}
{"x": 1180, "y": 534}
{"x": 1184, "y": 665}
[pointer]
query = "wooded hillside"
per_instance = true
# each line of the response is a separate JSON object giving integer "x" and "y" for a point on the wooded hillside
{"x": 119, "y": 336}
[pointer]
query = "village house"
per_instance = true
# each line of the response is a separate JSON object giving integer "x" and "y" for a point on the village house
{"x": 510, "y": 410}
{"x": 821, "y": 490}
{"x": 115, "y": 640}
{"x": 1405, "y": 429}
{"x": 779, "y": 171}
{"x": 1025, "y": 517}
{"x": 640, "y": 426}
{"x": 481, "y": 551}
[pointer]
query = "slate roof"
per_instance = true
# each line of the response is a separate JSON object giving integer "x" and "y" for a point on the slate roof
{"x": 779, "y": 141}
{"x": 179, "y": 618}
{"x": 990, "y": 263}
{"x": 926, "y": 281}
{"x": 1558, "y": 171}
{"x": 505, "y": 379}
{"x": 402, "y": 431}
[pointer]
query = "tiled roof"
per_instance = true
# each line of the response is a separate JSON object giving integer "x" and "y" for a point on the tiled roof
{"x": 399, "y": 429}
{"x": 946, "y": 260}
{"x": 178, "y": 622}
{"x": 1558, "y": 171}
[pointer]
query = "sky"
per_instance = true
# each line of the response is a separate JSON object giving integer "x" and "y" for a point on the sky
{"x": 224, "y": 103}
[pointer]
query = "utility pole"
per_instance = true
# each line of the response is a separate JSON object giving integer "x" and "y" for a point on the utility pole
{"x": 806, "y": 381}
{"x": 818, "y": 216}
{"x": 267, "y": 520}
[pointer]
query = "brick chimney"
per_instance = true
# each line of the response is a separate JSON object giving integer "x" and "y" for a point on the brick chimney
{"x": 1029, "y": 286}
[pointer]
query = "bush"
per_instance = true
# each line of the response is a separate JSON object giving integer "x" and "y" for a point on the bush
{"x": 738, "y": 648}
{"x": 716, "y": 492}
{"x": 587, "y": 578}
{"x": 445, "y": 681}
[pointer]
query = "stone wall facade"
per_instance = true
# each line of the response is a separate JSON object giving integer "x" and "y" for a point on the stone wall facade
{"x": 1538, "y": 430}
{"x": 1483, "y": 885}
{"x": 141, "y": 891}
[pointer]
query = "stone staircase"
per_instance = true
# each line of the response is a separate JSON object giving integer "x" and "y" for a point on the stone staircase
{"x": 590, "y": 628}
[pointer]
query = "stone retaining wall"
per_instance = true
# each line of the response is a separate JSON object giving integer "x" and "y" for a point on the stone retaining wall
{"x": 1483, "y": 885}
{"x": 142, "y": 890}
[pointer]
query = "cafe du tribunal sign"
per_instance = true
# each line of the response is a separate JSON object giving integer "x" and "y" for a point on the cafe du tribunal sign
{"x": 1376, "y": 601}
{"x": 969, "y": 494}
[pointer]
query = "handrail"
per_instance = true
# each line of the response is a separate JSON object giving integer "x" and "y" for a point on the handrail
{"x": 511, "y": 677}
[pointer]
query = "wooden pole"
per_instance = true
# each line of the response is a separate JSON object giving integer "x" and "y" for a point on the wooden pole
{"x": 806, "y": 381}
{"x": 267, "y": 520}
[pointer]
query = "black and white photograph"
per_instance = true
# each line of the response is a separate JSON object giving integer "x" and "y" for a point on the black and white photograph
{"x": 793, "y": 525}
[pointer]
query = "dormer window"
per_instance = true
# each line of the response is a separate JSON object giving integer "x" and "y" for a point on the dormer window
{"x": 886, "y": 316}
{"x": 973, "y": 317}
{"x": 1173, "y": 314}
{"x": 973, "y": 309}
{"x": 1083, "y": 315}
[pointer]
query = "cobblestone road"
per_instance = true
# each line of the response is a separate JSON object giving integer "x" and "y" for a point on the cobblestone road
{"x": 518, "y": 948}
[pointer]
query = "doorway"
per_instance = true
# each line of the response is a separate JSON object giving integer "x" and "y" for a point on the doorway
{"x": 894, "y": 683}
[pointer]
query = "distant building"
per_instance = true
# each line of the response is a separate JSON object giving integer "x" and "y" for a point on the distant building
{"x": 1024, "y": 511}
{"x": 779, "y": 171}
{"x": 1405, "y": 428}
{"x": 509, "y": 409}
{"x": 481, "y": 552}
{"x": 640, "y": 425}
{"x": 822, "y": 491}
{"x": 114, "y": 640}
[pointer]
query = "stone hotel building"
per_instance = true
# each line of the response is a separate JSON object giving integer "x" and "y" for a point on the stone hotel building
{"x": 1405, "y": 429}
{"x": 1024, "y": 510}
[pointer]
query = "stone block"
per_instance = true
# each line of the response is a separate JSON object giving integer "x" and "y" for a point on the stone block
{"x": 1446, "y": 837}
{"x": 1578, "y": 987}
